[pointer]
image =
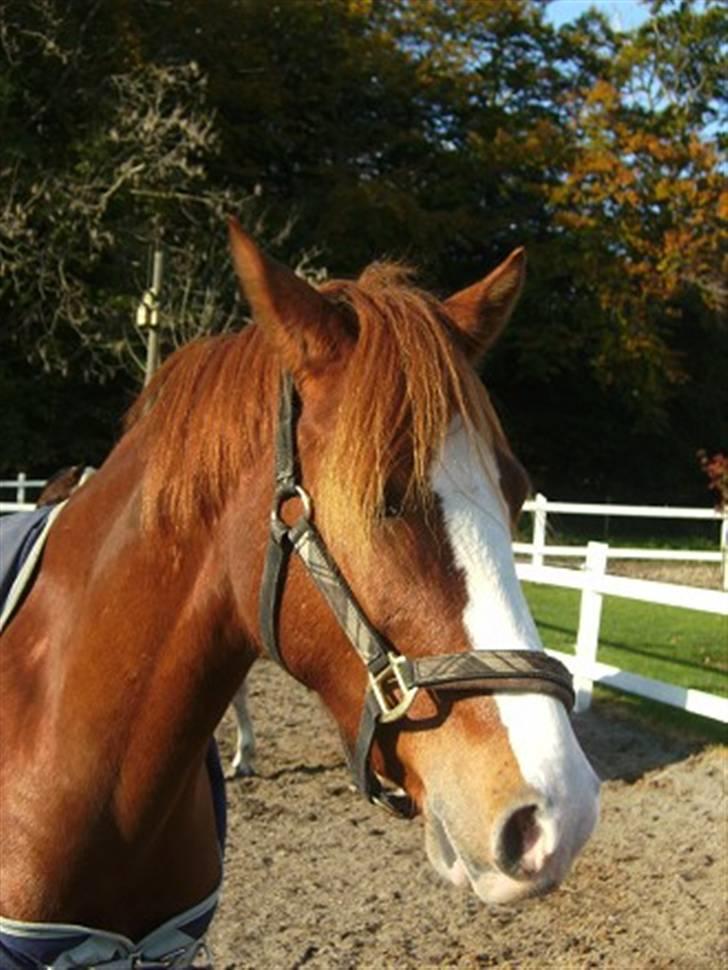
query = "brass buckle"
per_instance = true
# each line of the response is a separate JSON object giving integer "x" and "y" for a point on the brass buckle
{"x": 386, "y": 682}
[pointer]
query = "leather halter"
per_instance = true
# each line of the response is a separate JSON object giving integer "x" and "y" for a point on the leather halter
{"x": 393, "y": 678}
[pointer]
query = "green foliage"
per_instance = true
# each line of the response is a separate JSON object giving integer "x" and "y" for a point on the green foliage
{"x": 103, "y": 154}
{"x": 444, "y": 131}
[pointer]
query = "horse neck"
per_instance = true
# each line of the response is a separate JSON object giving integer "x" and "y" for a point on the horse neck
{"x": 137, "y": 652}
{"x": 114, "y": 675}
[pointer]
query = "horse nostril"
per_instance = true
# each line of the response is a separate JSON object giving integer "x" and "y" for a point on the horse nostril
{"x": 517, "y": 837}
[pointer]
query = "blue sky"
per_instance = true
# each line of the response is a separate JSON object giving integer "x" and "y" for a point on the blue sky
{"x": 624, "y": 14}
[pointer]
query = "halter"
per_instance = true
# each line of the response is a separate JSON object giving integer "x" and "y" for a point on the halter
{"x": 393, "y": 679}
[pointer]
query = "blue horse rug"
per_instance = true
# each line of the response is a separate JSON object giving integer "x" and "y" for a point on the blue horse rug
{"x": 22, "y": 538}
{"x": 57, "y": 946}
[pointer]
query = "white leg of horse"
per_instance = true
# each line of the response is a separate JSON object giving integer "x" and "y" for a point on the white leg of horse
{"x": 242, "y": 764}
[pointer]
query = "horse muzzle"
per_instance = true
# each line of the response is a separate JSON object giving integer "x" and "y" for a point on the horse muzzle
{"x": 527, "y": 852}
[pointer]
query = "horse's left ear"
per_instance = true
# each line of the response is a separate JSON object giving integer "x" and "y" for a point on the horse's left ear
{"x": 303, "y": 326}
{"x": 482, "y": 310}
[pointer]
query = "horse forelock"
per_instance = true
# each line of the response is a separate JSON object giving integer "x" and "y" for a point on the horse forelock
{"x": 207, "y": 413}
{"x": 407, "y": 377}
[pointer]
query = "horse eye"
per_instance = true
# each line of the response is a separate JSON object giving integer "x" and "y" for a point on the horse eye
{"x": 395, "y": 504}
{"x": 393, "y": 510}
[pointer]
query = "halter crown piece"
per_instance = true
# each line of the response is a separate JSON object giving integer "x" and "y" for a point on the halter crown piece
{"x": 393, "y": 679}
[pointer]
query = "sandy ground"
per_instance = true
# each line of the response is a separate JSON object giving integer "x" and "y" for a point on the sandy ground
{"x": 318, "y": 878}
{"x": 704, "y": 575}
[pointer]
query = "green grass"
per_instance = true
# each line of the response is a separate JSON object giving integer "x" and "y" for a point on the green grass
{"x": 679, "y": 646}
{"x": 683, "y": 647}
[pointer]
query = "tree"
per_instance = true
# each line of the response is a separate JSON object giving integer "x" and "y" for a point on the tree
{"x": 647, "y": 197}
{"x": 98, "y": 165}
{"x": 638, "y": 246}
{"x": 444, "y": 131}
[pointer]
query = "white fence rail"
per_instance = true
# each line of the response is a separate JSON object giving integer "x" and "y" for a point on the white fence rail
{"x": 539, "y": 549}
{"x": 594, "y": 584}
{"x": 20, "y": 485}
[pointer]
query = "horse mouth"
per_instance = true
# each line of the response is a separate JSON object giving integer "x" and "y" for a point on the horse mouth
{"x": 487, "y": 882}
{"x": 442, "y": 854}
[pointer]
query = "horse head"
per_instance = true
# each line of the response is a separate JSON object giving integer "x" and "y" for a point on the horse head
{"x": 413, "y": 488}
{"x": 332, "y": 486}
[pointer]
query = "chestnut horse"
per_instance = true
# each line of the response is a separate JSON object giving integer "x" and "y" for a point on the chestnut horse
{"x": 400, "y": 608}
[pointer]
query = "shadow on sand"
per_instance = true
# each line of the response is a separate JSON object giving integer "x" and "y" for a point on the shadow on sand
{"x": 623, "y": 747}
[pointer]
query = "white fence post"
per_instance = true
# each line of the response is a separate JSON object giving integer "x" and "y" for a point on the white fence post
{"x": 20, "y": 491}
{"x": 539, "y": 528}
{"x": 590, "y": 616}
{"x": 724, "y": 547}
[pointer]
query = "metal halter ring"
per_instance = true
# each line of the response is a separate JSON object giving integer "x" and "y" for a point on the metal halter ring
{"x": 284, "y": 495}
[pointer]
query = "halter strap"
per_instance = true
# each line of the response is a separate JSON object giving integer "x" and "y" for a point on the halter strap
{"x": 285, "y": 457}
{"x": 393, "y": 679}
{"x": 276, "y": 560}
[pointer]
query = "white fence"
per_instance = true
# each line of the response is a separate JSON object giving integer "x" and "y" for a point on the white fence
{"x": 594, "y": 584}
{"x": 21, "y": 487}
{"x": 538, "y": 548}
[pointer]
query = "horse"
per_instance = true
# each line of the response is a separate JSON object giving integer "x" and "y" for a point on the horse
{"x": 329, "y": 485}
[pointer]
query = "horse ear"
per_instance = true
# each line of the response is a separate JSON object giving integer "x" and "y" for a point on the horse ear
{"x": 483, "y": 309}
{"x": 303, "y": 325}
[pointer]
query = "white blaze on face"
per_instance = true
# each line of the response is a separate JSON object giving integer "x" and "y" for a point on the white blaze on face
{"x": 476, "y": 518}
{"x": 497, "y": 618}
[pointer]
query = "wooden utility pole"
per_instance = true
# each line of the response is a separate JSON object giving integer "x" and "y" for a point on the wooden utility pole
{"x": 147, "y": 315}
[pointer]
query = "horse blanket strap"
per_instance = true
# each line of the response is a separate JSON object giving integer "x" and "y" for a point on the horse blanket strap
{"x": 176, "y": 945}
{"x": 57, "y": 946}
{"x": 394, "y": 680}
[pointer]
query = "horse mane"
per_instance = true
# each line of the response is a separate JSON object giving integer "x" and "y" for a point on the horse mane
{"x": 209, "y": 410}
{"x": 202, "y": 420}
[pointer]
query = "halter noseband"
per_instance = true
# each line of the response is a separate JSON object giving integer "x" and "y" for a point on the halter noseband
{"x": 394, "y": 679}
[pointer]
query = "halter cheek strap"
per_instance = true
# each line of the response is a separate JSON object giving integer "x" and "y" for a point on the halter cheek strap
{"x": 393, "y": 679}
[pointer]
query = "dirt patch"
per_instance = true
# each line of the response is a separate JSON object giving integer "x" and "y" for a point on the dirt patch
{"x": 704, "y": 574}
{"x": 707, "y": 575}
{"x": 317, "y": 878}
